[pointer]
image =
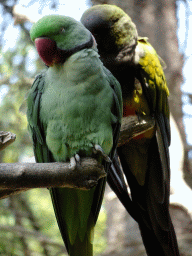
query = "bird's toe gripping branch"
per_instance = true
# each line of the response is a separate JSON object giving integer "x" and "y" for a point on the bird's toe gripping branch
{"x": 99, "y": 151}
{"x": 74, "y": 161}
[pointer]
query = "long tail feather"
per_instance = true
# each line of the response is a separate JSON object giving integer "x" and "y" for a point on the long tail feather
{"x": 117, "y": 183}
{"x": 152, "y": 205}
{"x": 76, "y": 213}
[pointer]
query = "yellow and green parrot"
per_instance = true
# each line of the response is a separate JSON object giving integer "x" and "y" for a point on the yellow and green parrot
{"x": 145, "y": 158}
{"x": 74, "y": 110}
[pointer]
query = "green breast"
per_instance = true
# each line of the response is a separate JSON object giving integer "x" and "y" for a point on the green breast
{"x": 77, "y": 111}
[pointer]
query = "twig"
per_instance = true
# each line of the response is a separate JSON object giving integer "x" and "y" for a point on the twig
{"x": 6, "y": 138}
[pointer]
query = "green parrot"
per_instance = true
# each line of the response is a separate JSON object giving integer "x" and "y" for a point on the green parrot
{"x": 74, "y": 110}
{"x": 145, "y": 158}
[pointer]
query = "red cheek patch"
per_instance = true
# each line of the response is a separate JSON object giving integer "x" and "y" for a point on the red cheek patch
{"x": 47, "y": 50}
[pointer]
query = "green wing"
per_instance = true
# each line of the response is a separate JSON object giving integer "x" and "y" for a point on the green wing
{"x": 36, "y": 128}
{"x": 117, "y": 108}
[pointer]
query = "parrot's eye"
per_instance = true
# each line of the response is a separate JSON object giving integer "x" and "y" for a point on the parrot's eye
{"x": 62, "y": 30}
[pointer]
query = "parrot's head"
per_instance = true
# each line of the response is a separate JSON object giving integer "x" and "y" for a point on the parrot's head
{"x": 112, "y": 28}
{"x": 57, "y": 37}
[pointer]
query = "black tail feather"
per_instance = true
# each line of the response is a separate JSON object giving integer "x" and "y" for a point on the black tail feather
{"x": 154, "y": 220}
{"x": 117, "y": 183}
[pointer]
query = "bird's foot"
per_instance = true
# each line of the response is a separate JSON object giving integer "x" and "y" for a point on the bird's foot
{"x": 73, "y": 161}
{"x": 98, "y": 150}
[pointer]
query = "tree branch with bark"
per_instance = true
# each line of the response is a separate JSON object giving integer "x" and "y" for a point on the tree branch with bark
{"x": 18, "y": 177}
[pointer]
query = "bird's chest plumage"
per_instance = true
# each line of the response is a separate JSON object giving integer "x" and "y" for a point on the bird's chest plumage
{"x": 73, "y": 111}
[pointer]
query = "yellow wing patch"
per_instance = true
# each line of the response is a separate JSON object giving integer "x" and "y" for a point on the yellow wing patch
{"x": 153, "y": 75}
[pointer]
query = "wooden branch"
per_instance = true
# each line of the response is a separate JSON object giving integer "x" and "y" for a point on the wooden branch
{"x": 46, "y": 175}
{"x": 133, "y": 126}
{"x": 6, "y": 138}
{"x": 18, "y": 177}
